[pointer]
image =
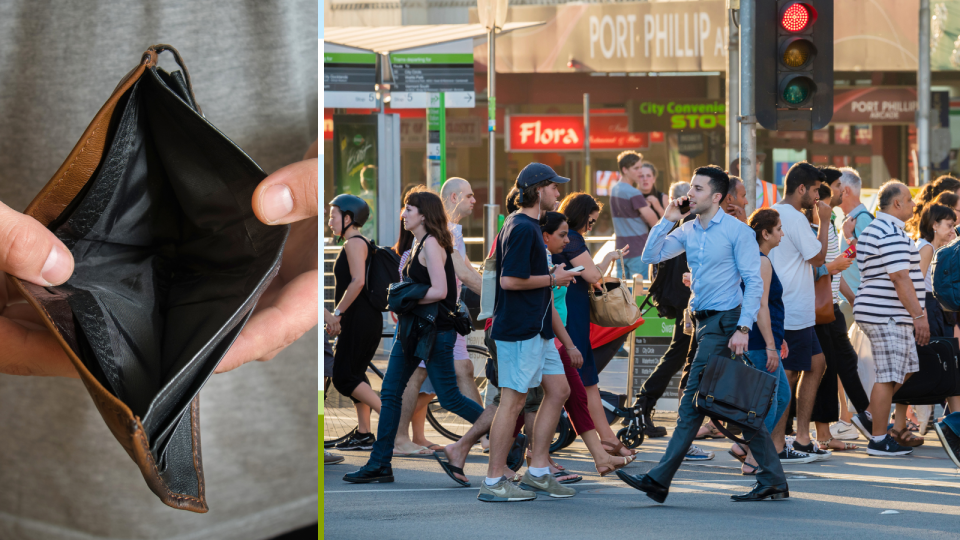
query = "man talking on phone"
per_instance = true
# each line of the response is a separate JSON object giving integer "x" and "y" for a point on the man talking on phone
{"x": 721, "y": 252}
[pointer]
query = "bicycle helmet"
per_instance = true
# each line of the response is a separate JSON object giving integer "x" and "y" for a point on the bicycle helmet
{"x": 358, "y": 209}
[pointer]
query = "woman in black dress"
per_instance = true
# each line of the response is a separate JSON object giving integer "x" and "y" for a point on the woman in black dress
{"x": 361, "y": 324}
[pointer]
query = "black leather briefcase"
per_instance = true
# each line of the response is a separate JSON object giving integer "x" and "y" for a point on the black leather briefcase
{"x": 154, "y": 203}
{"x": 733, "y": 391}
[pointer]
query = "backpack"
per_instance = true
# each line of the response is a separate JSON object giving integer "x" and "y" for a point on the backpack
{"x": 382, "y": 270}
{"x": 946, "y": 276}
{"x": 667, "y": 291}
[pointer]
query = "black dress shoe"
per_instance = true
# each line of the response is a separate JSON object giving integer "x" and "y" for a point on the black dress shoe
{"x": 368, "y": 474}
{"x": 645, "y": 484}
{"x": 760, "y": 493}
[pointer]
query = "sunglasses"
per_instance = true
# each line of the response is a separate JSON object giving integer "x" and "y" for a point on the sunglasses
{"x": 591, "y": 222}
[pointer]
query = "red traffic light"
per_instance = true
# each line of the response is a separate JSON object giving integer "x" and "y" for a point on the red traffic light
{"x": 797, "y": 17}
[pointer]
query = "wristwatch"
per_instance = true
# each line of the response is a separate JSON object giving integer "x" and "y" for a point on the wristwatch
{"x": 336, "y": 313}
{"x": 744, "y": 329}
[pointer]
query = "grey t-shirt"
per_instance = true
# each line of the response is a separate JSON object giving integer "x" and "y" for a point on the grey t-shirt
{"x": 254, "y": 70}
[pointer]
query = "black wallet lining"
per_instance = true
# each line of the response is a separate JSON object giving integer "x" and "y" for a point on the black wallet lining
{"x": 170, "y": 259}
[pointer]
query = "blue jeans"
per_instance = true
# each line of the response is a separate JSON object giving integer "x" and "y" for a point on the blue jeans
{"x": 442, "y": 375}
{"x": 781, "y": 395}
{"x": 632, "y": 265}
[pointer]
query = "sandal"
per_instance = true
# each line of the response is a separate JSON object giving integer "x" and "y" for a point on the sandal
{"x": 607, "y": 470}
{"x": 738, "y": 457}
{"x": 711, "y": 432}
{"x": 912, "y": 426}
{"x": 846, "y": 445}
{"x": 614, "y": 449}
{"x": 906, "y": 438}
{"x": 451, "y": 470}
{"x": 751, "y": 473}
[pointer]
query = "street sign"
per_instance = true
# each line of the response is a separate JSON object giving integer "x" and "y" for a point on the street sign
{"x": 349, "y": 80}
{"x": 417, "y": 75}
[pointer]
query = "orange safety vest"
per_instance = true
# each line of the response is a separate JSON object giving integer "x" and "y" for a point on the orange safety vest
{"x": 770, "y": 194}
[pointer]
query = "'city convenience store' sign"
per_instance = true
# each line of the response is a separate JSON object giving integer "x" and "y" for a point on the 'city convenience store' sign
{"x": 565, "y": 133}
{"x": 678, "y": 115}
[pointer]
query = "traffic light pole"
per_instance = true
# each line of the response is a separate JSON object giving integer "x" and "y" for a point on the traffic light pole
{"x": 748, "y": 120}
{"x": 923, "y": 94}
{"x": 733, "y": 90}
{"x": 491, "y": 209}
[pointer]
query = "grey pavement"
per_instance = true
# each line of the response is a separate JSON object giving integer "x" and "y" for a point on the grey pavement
{"x": 851, "y": 495}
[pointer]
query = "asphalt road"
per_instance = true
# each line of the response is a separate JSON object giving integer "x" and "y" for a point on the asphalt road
{"x": 852, "y": 495}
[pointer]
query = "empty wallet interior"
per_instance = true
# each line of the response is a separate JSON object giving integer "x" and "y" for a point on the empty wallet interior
{"x": 169, "y": 263}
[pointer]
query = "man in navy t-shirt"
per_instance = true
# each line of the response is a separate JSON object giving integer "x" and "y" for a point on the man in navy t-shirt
{"x": 523, "y": 322}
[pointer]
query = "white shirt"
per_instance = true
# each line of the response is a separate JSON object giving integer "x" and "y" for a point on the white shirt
{"x": 789, "y": 260}
{"x": 928, "y": 279}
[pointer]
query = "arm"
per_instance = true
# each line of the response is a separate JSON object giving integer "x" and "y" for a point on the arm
{"x": 763, "y": 316}
{"x": 434, "y": 256}
{"x": 907, "y": 294}
{"x": 464, "y": 270}
{"x": 926, "y": 255}
{"x": 662, "y": 246}
{"x": 357, "y": 259}
{"x": 822, "y": 220}
{"x": 576, "y": 358}
{"x": 332, "y": 323}
{"x": 746, "y": 255}
{"x": 838, "y": 265}
{"x": 648, "y": 215}
{"x": 846, "y": 291}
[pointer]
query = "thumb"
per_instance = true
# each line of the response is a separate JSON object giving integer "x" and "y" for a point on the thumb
{"x": 288, "y": 195}
{"x": 31, "y": 252}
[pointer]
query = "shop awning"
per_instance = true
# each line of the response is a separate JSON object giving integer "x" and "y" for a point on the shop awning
{"x": 386, "y": 39}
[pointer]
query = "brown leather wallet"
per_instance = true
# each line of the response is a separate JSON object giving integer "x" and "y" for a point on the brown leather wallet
{"x": 154, "y": 203}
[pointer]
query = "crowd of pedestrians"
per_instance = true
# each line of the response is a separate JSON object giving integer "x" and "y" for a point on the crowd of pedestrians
{"x": 785, "y": 288}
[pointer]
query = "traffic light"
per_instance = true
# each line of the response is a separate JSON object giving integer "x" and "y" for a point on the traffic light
{"x": 794, "y": 64}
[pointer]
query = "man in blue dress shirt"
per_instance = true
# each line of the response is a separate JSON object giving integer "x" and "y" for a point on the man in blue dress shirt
{"x": 721, "y": 251}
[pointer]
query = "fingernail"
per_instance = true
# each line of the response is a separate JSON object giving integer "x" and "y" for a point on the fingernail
{"x": 276, "y": 202}
{"x": 57, "y": 269}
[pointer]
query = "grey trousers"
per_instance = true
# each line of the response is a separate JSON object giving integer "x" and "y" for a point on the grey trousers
{"x": 712, "y": 336}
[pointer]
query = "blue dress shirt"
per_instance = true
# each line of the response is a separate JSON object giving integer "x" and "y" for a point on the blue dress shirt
{"x": 718, "y": 256}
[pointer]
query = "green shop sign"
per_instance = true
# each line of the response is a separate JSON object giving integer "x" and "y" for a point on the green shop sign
{"x": 678, "y": 115}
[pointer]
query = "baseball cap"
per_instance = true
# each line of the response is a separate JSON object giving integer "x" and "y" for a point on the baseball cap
{"x": 535, "y": 173}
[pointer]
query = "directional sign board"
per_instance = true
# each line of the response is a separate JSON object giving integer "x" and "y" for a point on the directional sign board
{"x": 446, "y": 68}
{"x": 349, "y": 77}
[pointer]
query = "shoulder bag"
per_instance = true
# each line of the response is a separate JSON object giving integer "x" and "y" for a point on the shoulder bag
{"x": 733, "y": 391}
{"x": 613, "y": 306}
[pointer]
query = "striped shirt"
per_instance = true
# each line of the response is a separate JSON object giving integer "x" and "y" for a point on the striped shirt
{"x": 883, "y": 248}
{"x": 833, "y": 251}
{"x": 630, "y": 229}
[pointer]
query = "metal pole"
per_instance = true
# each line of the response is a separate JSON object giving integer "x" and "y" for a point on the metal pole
{"x": 923, "y": 94}
{"x": 586, "y": 143}
{"x": 748, "y": 122}
{"x": 733, "y": 90}
{"x": 491, "y": 209}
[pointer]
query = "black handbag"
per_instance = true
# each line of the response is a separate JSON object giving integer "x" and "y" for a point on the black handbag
{"x": 461, "y": 320}
{"x": 733, "y": 391}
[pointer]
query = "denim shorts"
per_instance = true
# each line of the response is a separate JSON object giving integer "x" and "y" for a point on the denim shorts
{"x": 521, "y": 365}
{"x": 802, "y": 346}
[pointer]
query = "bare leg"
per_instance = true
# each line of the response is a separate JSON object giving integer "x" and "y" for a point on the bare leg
{"x": 954, "y": 403}
{"x": 363, "y": 417}
{"x": 845, "y": 413}
{"x": 420, "y": 418}
{"x": 900, "y": 422}
{"x": 599, "y": 418}
{"x": 466, "y": 381}
{"x": 880, "y": 399}
{"x": 555, "y": 394}
{"x": 366, "y": 395}
{"x": 600, "y": 456}
{"x": 411, "y": 395}
{"x": 501, "y": 431}
{"x": 781, "y": 428}
{"x": 806, "y": 395}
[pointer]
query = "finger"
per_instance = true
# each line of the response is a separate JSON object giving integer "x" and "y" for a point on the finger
{"x": 276, "y": 326}
{"x": 31, "y": 252}
{"x": 288, "y": 195}
{"x": 32, "y": 350}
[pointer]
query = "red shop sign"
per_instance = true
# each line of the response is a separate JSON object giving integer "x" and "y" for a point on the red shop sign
{"x": 564, "y": 133}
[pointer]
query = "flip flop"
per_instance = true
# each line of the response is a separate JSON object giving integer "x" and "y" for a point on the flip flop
{"x": 422, "y": 451}
{"x": 435, "y": 447}
{"x": 738, "y": 457}
{"x": 451, "y": 470}
{"x": 560, "y": 474}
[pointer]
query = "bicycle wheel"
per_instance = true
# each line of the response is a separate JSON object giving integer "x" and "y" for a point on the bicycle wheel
{"x": 339, "y": 413}
{"x": 564, "y": 436}
{"x": 447, "y": 423}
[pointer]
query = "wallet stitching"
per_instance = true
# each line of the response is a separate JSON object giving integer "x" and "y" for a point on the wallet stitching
{"x": 70, "y": 168}
{"x": 195, "y": 441}
{"x": 153, "y": 465}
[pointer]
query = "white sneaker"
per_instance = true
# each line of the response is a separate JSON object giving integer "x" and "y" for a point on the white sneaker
{"x": 695, "y": 453}
{"x": 844, "y": 431}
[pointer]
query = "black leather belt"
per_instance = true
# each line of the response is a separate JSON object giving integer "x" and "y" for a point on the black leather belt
{"x": 705, "y": 314}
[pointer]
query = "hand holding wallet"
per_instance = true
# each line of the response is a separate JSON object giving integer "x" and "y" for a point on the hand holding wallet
{"x": 154, "y": 204}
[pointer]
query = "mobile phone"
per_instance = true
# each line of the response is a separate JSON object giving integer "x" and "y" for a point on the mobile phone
{"x": 684, "y": 206}
{"x": 850, "y": 252}
{"x": 575, "y": 269}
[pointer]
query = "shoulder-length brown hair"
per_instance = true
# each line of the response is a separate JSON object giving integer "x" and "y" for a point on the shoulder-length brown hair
{"x": 578, "y": 207}
{"x": 430, "y": 206}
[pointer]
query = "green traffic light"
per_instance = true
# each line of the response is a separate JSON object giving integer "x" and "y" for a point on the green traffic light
{"x": 796, "y": 91}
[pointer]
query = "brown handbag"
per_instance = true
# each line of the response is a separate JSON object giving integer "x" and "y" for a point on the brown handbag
{"x": 154, "y": 204}
{"x": 613, "y": 306}
{"x": 824, "y": 299}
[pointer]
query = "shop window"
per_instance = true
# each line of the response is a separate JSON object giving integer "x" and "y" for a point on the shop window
{"x": 841, "y": 134}
{"x": 863, "y": 134}
{"x": 821, "y": 136}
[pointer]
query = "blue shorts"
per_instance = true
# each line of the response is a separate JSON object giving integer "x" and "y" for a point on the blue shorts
{"x": 522, "y": 364}
{"x": 802, "y": 346}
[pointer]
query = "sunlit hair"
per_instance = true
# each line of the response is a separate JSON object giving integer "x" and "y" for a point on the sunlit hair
{"x": 430, "y": 206}
{"x": 763, "y": 219}
{"x": 578, "y": 207}
{"x": 932, "y": 215}
{"x": 551, "y": 221}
